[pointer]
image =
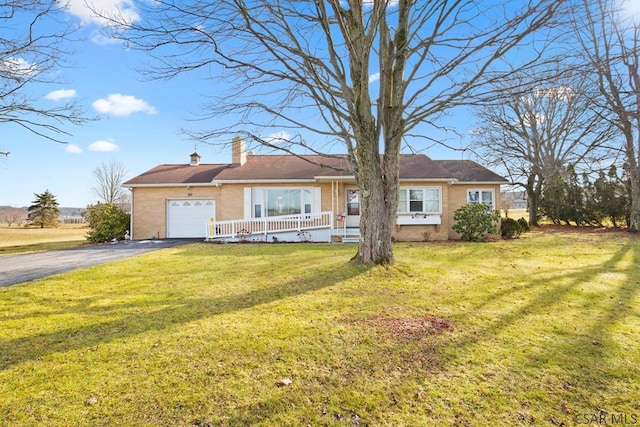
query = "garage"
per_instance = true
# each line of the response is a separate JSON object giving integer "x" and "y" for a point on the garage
{"x": 188, "y": 218}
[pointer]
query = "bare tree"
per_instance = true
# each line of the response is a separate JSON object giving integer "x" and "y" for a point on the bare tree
{"x": 610, "y": 44}
{"x": 107, "y": 184}
{"x": 31, "y": 51}
{"x": 360, "y": 74}
{"x": 543, "y": 121}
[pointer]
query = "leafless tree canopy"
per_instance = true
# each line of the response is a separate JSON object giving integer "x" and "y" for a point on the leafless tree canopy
{"x": 30, "y": 52}
{"x": 107, "y": 183}
{"x": 546, "y": 121}
{"x": 362, "y": 75}
{"x": 609, "y": 41}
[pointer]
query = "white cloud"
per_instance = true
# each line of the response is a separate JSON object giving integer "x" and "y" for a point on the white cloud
{"x": 631, "y": 8}
{"x": 374, "y": 77}
{"x": 103, "y": 146}
{"x": 122, "y": 105}
{"x": 18, "y": 67}
{"x": 59, "y": 94}
{"x": 93, "y": 10}
{"x": 560, "y": 93}
{"x": 73, "y": 149}
{"x": 278, "y": 138}
{"x": 391, "y": 3}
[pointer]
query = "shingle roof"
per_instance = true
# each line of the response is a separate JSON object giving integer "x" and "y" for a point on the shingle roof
{"x": 288, "y": 167}
{"x": 469, "y": 171}
{"x": 178, "y": 174}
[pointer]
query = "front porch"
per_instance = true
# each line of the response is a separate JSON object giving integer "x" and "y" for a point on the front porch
{"x": 312, "y": 227}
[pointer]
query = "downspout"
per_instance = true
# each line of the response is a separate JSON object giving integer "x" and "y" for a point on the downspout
{"x": 333, "y": 209}
{"x": 131, "y": 214}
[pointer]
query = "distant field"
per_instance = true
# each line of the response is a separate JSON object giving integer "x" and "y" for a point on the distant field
{"x": 17, "y": 239}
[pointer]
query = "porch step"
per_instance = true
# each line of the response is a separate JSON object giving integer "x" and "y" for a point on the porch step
{"x": 350, "y": 239}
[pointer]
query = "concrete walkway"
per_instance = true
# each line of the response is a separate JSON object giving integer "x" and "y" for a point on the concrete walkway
{"x": 24, "y": 268}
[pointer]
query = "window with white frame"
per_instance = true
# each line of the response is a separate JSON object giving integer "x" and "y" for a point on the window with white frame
{"x": 477, "y": 196}
{"x": 425, "y": 200}
{"x": 281, "y": 201}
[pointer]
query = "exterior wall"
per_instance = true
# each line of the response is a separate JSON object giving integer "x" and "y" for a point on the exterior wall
{"x": 150, "y": 207}
{"x": 230, "y": 203}
{"x": 150, "y": 204}
{"x": 458, "y": 197}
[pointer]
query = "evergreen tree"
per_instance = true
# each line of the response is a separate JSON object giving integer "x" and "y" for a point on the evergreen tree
{"x": 611, "y": 196}
{"x": 553, "y": 204}
{"x": 44, "y": 211}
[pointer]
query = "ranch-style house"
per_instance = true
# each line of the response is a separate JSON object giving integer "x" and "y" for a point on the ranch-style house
{"x": 274, "y": 198}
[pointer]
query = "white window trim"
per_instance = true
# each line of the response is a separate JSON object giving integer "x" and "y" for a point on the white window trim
{"x": 257, "y": 196}
{"x": 480, "y": 190}
{"x": 424, "y": 201}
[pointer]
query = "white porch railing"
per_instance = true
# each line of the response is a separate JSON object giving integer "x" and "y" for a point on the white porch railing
{"x": 241, "y": 228}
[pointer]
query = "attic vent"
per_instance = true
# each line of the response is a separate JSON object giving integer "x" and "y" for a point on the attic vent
{"x": 195, "y": 159}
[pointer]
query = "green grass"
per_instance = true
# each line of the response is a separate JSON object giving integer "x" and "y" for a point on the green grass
{"x": 534, "y": 331}
{"x": 17, "y": 239}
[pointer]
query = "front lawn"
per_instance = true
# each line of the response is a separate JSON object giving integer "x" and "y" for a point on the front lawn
{"x": 537, "y": 331}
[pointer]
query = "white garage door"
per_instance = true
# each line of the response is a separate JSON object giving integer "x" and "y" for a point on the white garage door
{"x": 189, "y": 217}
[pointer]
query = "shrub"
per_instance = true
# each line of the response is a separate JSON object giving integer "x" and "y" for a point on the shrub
{"x": 475, "y": 221}
{"x": 107, "y": 222}
{"x": 510, "y": 228}
{"x": 524, "y": 225}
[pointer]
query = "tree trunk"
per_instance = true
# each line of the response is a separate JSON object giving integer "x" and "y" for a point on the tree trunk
{"x": 533, "y": 197}
{"x": 634, "y": 215}
{"x": 634, "y": 171}
{"x": 377, "y": 217}
{"x": 377, "y": 180}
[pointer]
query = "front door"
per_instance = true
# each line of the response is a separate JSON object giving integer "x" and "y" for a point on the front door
{"x": 353, "y": 207}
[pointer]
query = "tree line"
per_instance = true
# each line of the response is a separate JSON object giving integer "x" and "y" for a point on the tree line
{"x": 569, "y": 133}
{"x": 605, "y": 198}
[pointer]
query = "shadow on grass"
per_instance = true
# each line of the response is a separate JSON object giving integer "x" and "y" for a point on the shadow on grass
{"x": 553, "y": 296}
{"x": 174, "y": 311}
{"x": 580, "y": 353}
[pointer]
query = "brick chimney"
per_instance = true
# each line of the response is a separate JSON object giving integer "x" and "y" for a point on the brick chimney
{"x": 195, "y": 159}
{"x": 238, "y": 151}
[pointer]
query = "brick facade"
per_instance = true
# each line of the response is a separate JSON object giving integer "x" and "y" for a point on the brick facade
{"x": 150, "y": 206}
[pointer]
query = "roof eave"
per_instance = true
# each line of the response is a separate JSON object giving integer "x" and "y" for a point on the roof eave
{"x": 171, "y": 184}
{"x": 261, "y": 181}
{"x": 334, "y": 178}
{"x": 481, "y": 182}
{"x": 447, "y": 179}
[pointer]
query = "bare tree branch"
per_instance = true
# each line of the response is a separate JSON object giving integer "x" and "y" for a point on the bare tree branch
{"x": 32, "y": 49}
{"x": 610, "y": 46}
{"x": 545, "y": 122}
{"x": 359, "y": 74}
{"x": 107, "y": 183}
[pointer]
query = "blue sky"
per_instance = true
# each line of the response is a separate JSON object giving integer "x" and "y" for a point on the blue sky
{"x": 139, "y": 122}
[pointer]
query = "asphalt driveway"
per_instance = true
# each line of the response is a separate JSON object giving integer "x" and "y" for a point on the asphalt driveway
{"x": 23, "y": 268}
